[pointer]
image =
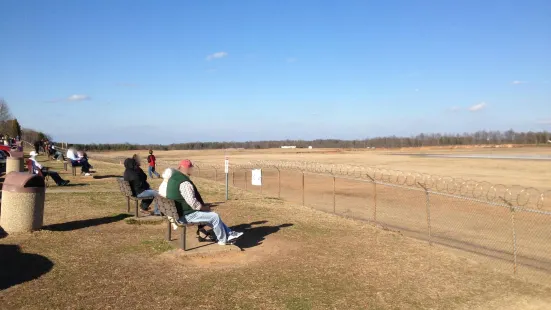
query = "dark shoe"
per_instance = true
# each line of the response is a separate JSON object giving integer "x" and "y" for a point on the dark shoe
{"x": 66, "y": 183}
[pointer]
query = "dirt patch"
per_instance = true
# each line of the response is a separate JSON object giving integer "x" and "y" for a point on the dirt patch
{"x": 214, "y": 256}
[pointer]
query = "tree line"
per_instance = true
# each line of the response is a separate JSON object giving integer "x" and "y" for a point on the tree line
{"x": 10, "y": 127}
{"x": 476, "y": 138}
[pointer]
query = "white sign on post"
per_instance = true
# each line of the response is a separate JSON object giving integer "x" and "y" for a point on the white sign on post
{"x": 226, "y": 165}
{"x": 256, "y": 178}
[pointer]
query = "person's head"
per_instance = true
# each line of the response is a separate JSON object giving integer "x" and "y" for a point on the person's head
{"x": 137, "y": 159}
{"x": 186, "y": 167}
{"x": 150, "y": 152}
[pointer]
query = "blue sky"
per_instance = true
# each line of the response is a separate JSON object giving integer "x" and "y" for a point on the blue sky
{"x": 177, "y": 71}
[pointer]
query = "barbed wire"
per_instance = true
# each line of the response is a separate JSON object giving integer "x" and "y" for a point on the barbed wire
{"x": 514, "y": 195}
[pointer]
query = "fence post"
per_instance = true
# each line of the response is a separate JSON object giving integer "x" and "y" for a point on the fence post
{"x": 278, "y": 184}
{"x": 245, "y": 179}
{"x": 215, "y": 175}
{"x": 334, "y": 200}
{"x": 303, "y": 188}
{"x": 514, "y": 240}
{"x": 427, "y": 201}
{"x": 233, "y": 178}
{"x": 374, "y": 198}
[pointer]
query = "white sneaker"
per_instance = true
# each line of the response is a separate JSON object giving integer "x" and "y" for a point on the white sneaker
{"x": 87, "y": 174}
{"x": 234, "y": 235}
{"x": 222, "y": 243}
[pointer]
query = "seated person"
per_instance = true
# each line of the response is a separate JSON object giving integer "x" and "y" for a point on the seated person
{"x": 137, "y": 179}
{"x": 57, "y": 154}
{"x": 166, "y": 176}
{"x": 190, "y": 205}
{"x": 79, "y": 161}
{"x": 54, "y": 175}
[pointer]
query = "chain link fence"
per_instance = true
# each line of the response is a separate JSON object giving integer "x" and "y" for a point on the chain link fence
{"x": 508, "y": 228}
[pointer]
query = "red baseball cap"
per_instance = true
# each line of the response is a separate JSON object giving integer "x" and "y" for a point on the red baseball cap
{"x": 186, "y": 163}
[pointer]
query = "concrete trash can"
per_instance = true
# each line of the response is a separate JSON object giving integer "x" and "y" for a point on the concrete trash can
{"x": 23, "y": 197}
{"x": 15, "y": 162}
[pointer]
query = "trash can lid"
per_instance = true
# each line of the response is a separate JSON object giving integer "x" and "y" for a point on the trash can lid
{"x": 20, "y": 182}
{"x": 15, "y": 154}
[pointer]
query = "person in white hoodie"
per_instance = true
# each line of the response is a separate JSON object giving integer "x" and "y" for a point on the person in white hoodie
{"x": 166, "y": 175}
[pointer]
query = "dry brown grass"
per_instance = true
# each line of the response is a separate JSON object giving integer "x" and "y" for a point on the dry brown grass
{"x": 322, "y": 261}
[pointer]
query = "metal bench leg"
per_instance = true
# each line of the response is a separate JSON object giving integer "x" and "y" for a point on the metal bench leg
{"x": 183, "y": 238}
{"x": 127, "y": 204}
{"x": 168, "y": 231}
{"x": 137, "y": 214}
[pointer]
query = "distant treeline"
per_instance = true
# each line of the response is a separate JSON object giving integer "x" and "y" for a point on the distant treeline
{"x": 479, "y": 137}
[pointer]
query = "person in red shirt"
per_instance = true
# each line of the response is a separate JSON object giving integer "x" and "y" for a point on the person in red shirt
{"x": 152, "y": 165}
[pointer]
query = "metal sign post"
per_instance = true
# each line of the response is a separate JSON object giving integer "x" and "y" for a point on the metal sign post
{"x": 227, "y": 170}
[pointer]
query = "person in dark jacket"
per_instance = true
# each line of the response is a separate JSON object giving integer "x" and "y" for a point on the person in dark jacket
{"x": 137, "y": 179}
{"x": 37, "y": 145}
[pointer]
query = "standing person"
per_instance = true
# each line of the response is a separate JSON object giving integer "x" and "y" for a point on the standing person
{"x": 37, "y": 146}
{"x": 54, "y": 175}
{"x": 151, "y": 160}
{"x": 137, "y": 179}
{"x": 190, "y": 205}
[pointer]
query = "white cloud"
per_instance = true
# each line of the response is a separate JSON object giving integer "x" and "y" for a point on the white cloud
{"x": 519, "y": 82}
{"x": 291, "y": 59}
{"x": 455, "y": 109}
{"x": 477, "y": 107}
{"x": 217, "y": 55}
{"x": 78, "y": 98}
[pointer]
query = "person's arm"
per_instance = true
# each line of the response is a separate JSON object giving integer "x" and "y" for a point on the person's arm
{"x": 186, "y": 189}
{"x": 37, "y": 165}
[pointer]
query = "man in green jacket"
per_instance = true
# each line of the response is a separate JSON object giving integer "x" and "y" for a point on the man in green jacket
{"x": 191, "y": 207}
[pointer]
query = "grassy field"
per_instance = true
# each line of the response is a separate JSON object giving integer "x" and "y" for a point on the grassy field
{"x": 89, "y": 257}
{"x": 526, "y": 173}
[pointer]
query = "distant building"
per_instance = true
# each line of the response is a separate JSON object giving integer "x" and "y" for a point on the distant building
{"x": 289, "y": 147}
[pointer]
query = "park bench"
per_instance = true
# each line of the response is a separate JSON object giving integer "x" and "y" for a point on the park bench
{"x": 68, "y": 163}
{"x": 125, "y": 189}
{"x": 168, "y": 208}
{"x": 31, "y": 167}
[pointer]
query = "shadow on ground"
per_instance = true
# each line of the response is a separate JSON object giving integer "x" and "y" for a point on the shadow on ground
{"x": 254, "y": 236}
{"x": 18, "y": 267}
{"x": 74, "y": 225}
{"x": 76, "y": 184}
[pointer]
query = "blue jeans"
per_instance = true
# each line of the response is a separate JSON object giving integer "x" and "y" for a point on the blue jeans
{"x": 213, "y": 220}
{"x": 151, "y": 170}
{"x": 150, "y": 193}
{"x": 82, "y": 162}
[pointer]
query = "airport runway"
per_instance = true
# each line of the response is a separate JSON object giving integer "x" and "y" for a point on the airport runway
{"x": 480, "y": 156}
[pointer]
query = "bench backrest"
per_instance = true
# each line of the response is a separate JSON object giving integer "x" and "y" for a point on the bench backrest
{"x": 168, "y": 208}
{"x": 124, "y": 186}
